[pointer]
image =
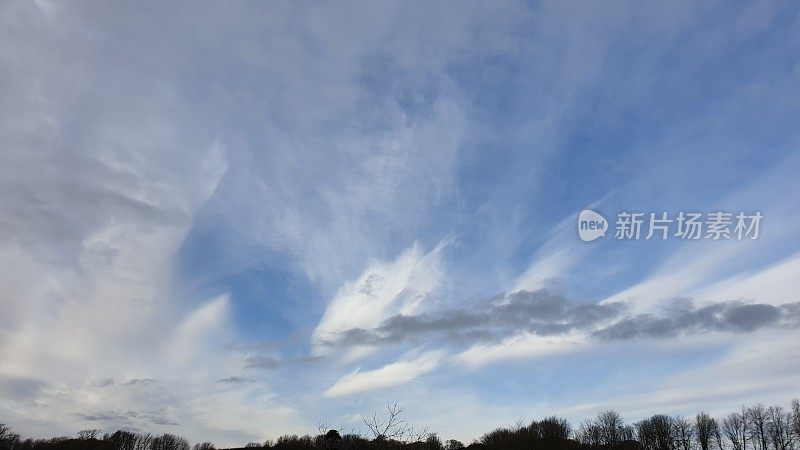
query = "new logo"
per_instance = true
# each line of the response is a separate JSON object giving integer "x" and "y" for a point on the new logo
{"x": 591, "y": 225}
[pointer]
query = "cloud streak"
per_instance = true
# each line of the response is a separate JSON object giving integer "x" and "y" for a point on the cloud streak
{"x": 392, "y": 374}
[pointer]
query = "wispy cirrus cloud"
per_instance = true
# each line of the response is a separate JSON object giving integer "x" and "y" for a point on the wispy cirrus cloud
{"x": 398, "y": 372}
{"x": 329, "y": 148}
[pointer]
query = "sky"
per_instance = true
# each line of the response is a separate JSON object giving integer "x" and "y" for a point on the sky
{"x": 235, "y": 220}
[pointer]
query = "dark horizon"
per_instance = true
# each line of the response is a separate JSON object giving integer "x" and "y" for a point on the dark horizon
{"x": 755, "y": 427}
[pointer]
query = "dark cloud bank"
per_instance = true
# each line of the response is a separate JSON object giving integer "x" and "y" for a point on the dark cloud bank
{"x": 545, "y": 313}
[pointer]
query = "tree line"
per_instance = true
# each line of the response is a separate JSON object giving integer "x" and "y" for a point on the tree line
{"x": 755, "y": 427}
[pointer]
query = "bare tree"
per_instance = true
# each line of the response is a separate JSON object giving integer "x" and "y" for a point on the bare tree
{"x": 718, "y": 437}
{"x": 796, "y": 418}
{"x": 5, "y": 432}
{"x": 607, "y": 429}
{"x": 453, "y": 444}
{"x": 86, "y": 435}
{"x": 757, "y": 425}
{"x": 144, "y": 441}
{"x": 204, "y": 446}
{"x": 418, "y": 435}
{"x": 169, "y": 442}
{"x": 612, "y": 428}
{"x": 433, "y": 442}
{"x": 779, "y": 428}
{"x": 735, "y": 429}
{"x": 393, "y": 426}
{"x": 322, "y": 427}
{"x": 589, "y": 433}
{"x": 519, "y": 424}
{"x": 554, "y": 429}
{"x": 683, "y": 434}
{"x": 8, "y": 439}
{"x": 656, "y": 433}
{"x": 705, "y": 430}
{"x": 123, "y": 440}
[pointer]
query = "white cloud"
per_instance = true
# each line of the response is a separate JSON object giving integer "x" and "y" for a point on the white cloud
{"x": 775, "y": 284}
{"x": 392, "y": 374}
{"x": 233, "y": 414}
{"x": 760, "y": 369}
{"x": 111, "y": 151}
{"x": 191, "y": 338}
{"x": 682, "y": 272}
{"x": 340, "y": 177}
{"x": 384, "y": 289}
{"x": 103, "y": 173}
{"x": 553, "y": 260}
{"x": 699, "y": 267}
{"x": 521, "y": 346}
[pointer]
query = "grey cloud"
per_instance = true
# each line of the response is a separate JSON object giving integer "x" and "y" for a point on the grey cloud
{"x": 262, "y": 362}
{"x": 265, "y": 346}
{"x": 142, "y": 381}
{"x": 540, "y": 312}
{"x": 751, "y": 317}
{"x": 724, "y": 317}
{"x": 103, "y": 416}
{"x": 546, "y": 314}
{"x": 162, "y": 421}
{"x": 127, "y": 417}
{"x": 234, "y": 380}
{"x": 103, "y": 383}
{"x": 790, "y": 313}
{"x": 268, "y": 362}
{"x": 150, "y": 416}
{"x": 19, "y": 388}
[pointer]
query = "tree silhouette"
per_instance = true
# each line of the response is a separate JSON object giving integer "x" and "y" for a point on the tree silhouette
{"x": 706, "y": 430}
{"x": 392, "y": 426}
{"x": 751, "y": 428}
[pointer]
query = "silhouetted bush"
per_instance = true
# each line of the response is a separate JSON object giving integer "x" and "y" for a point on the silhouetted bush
{"x": 453, "y": 444}
{"x": 294, "y": 442}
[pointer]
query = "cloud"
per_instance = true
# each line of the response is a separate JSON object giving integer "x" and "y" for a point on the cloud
{"x": 103, "y": 383}
{"x": 392, "y": 374}
{"x": 363, "y": 168}
{"x": 520, "y": 346}
{"x": 268, "y": 362}
{"x": 545, "y": 314}
{"x": 540, "y": 312}
{"x": 141, "y": 417}
{"x": 293, "y": 139}
{"x": 775, "y": 284}
{"x": 20, "y": 388}
{"x": 105, "y": 166}
{"x": 103, "y": 416}
{"x": 383, "y": 290}
{"x": 235, "y": 380}
{"x": 759, "y": 369}
{"x": 759, "y": 269}
{"x": 141, "y": 381}
{"x": 734, "y": 317}
{"x": 553, "y": 259}
{"x": 192, "y": 336}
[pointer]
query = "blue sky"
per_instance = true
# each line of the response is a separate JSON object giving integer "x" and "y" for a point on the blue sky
{"x": 237, "y": 220}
